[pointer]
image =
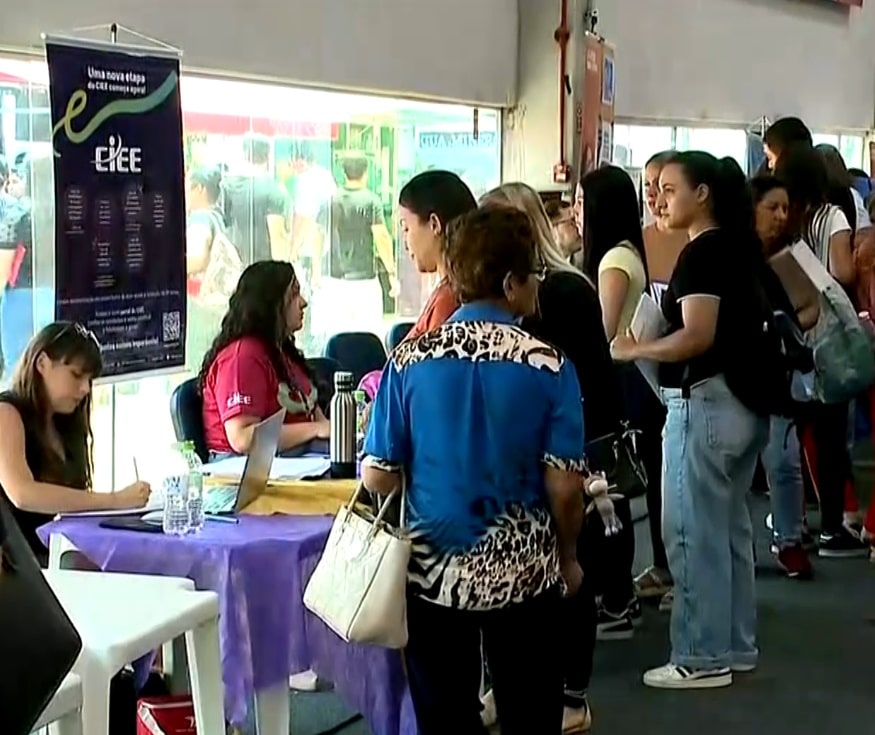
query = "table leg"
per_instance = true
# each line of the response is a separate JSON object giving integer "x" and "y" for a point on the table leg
{"x": 272, "y": 710}
{"x": 95, "y": 701}
{"x": 69, "y": 724}
{"x": 205, "y": 670}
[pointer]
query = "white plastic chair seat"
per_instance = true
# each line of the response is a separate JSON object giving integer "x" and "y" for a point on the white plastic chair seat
{"x": 65, "y": 709}
{"x": 122, "y": 617}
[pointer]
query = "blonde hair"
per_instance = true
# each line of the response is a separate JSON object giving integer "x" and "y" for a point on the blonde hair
{"x": 526, "y": 199}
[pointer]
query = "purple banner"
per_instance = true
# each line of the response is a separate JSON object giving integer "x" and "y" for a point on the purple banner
{"x": 119, "y": 202}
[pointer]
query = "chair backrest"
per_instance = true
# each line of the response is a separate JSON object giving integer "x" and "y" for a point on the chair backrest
{"x": 397, "y": 333}
{"x": 323, "y": 369}
{"x": 186, "y": 413}
{"x": 357, "y": 352}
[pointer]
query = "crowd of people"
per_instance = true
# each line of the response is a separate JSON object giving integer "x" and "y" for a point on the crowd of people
{"x": 491, "y": 414}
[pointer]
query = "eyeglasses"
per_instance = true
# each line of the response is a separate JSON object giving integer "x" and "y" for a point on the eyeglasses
{"x": 71, "y": 327}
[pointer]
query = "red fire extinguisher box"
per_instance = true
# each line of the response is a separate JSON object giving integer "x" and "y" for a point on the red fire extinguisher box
{"x": 166, "y": 716}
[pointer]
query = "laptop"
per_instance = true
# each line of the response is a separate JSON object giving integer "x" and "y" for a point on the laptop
{"x": 231, "y": 499}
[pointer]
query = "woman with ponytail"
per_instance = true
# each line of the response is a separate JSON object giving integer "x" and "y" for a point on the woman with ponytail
{"x": 712, "y": 437}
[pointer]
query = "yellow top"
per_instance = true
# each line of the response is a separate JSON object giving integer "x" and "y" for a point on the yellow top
{"x": 625, "y": 258}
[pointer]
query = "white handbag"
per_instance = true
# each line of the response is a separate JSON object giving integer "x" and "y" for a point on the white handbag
{"x": 359, "y": 586}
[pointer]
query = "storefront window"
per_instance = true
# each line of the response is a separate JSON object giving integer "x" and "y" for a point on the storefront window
{"x": 720, "y": 142}
{"x": 263, "y": 164}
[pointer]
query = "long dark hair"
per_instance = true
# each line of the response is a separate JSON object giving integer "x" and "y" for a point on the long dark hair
{"x": 71, "y": 344}
{"x": 610, "y": 216}
{"x": 803, "y": 171}
{"x": 439, "y": 193}
{"x": 256, "y": 309}
{"x": 729, "y": 196}
{"x": 839, "y": 182}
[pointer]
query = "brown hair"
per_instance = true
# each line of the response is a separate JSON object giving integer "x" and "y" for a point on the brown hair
{"x": 555, "y": 208}
{"x": 486, "y": 245}
{"x": 68, "y": 343}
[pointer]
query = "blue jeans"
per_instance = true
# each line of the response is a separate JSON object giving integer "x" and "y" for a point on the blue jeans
{"x": 23, "y": 312}
{"x": 710, "y": 447}
{"x": 782, "y": 461}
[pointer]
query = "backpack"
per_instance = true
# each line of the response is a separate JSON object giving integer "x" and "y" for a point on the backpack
{"x": 764, "y": 354}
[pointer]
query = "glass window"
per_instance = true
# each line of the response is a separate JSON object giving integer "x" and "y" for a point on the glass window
{"x": 720, "y": 142}
{"x": 281, "y": 156}
{"x": 634, "y": 144}
{"x": 828, "y": 138}
{"x": 851, "y": 148}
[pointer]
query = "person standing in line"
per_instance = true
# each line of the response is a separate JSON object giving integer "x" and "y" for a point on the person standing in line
{"x": 565, "y": 228}
{"x": 662, "y": 245}
{"x": 494, "y": 541}
{"x": 712, "y": 438}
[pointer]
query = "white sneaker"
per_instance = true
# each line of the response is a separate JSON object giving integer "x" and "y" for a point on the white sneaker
{"x": 305, "y": 681}
{"x": 667, "y": 601}
{"x": 681, "y": 677}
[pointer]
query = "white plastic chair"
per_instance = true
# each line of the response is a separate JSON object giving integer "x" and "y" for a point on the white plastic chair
{"x": 121, "y": 617}
{"x": 63, "y": 716}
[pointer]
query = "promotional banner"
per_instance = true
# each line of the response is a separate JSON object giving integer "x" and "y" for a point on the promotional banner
{"x": 119, "y": 201}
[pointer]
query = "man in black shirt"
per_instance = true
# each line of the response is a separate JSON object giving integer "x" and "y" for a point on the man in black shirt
{"x": 350, "y": 297}
{"x": 257, "y": 207}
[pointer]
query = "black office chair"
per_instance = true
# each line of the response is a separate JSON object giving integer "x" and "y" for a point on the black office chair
{"x": 186, "y": 413}
{"x": 323, "y": 369}
{"x": 397, "y": 334}
{"x": 357, "y": 352}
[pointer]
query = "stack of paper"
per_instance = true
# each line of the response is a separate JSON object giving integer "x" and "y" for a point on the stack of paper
{"x": 283, "y": 468}
{"x": 648, "y": 324}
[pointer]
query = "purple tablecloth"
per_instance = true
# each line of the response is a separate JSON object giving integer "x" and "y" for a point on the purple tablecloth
{"x": 259, "y": 569}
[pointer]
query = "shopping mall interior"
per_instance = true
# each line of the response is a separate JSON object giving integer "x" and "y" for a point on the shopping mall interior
{"x": 481, "y": 89}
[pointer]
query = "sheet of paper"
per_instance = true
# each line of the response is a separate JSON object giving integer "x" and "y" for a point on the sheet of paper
{"x": 283, "y": 468}
{"x": 648, "y": 324}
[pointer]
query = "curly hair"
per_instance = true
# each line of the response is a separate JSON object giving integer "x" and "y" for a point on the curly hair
{"x": 256, "y": 309}
{"x": 484, "y": 246}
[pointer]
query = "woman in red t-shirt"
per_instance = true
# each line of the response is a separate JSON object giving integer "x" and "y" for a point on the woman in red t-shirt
{"x": 254, "y": 368}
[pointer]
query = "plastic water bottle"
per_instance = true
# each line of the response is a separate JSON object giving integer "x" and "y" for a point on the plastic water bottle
{"x": 195, "y": 489}
{"x": 175, "y": 487}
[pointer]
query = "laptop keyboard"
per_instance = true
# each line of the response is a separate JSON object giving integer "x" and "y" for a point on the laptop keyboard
{"x": 220, "y": 499}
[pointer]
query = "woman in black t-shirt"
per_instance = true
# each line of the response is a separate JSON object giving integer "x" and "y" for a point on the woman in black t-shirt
{"x": 711, "y": 439}
{"x": 45, "y": 422}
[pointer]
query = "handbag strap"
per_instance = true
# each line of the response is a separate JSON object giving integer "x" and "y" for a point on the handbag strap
{"x": 384, "y": 506}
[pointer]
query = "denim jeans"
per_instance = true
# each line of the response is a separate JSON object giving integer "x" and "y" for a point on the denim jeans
{"x": 23, "y": 312}
{"x": 782, "y": 461}
{"x": 710, "y": 447}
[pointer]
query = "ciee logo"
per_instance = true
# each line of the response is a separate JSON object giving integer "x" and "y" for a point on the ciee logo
{"x": 117, "y": 158}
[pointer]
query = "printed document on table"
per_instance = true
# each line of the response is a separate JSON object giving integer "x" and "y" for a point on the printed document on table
{"x": 648, "y": 324}
{"x": 283, "y": 468}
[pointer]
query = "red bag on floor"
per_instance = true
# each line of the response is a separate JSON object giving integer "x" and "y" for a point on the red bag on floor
{"x": 166, "y": 716}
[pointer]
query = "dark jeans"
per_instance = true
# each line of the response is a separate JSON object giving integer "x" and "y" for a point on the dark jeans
{"x": 607, "y": 571}
{"x": 646, "y": 413}
{"x": 829, "y": 427}
{"x": 444, "y": 666}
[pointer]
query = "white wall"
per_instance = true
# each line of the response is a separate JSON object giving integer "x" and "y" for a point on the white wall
{"x": 464, "y": 50}
{"x": 736, "y": 60}
{"x": 698, "y": 62}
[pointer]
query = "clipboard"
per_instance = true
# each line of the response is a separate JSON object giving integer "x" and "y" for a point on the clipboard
{"x": 648, "y": 324}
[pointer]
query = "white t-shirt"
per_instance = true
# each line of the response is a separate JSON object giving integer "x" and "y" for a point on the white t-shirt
{"x": 829, "y": 220}
{"x": 863, "y": 220}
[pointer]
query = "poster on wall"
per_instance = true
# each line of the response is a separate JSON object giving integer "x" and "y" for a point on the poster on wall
{"x": 596, "y": 108}
{"x": 119, "y": 201}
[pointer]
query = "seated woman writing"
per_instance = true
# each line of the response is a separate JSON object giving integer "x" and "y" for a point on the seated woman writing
{"x": 45, "y": 422}
{"x": 254, "y": 368}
